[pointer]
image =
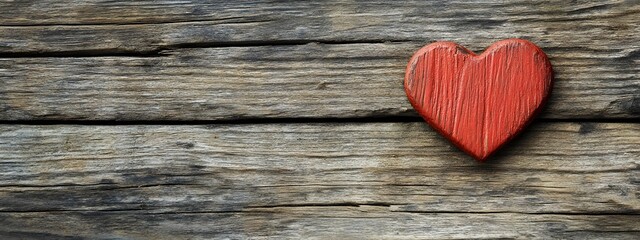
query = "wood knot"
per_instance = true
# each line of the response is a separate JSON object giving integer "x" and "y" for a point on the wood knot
{"x": 185, "y": 145}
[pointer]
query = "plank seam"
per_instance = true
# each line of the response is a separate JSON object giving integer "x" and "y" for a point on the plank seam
{"x": 167, "y": 50}
{"x": 262, "y": 209}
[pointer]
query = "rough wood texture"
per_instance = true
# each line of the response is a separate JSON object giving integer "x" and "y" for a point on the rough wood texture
{"x": 140, "y": 26}
{"x": 314, "y": 222}
{"x": 331, "y": 179}
{"x": 310, "y": 81}
{"x": 226, "y": 60}
{"x": 594, "y": 47}
{"x": 479, "y": 102}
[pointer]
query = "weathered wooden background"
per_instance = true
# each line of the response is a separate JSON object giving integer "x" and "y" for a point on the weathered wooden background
{"x": 287, "y": 119}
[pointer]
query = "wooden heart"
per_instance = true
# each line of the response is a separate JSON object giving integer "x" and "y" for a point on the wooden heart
{"x": 479, "y": 102}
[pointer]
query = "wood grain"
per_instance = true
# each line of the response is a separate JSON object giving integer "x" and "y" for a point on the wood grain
{"x": 364, "y": 222}
{"x": 259, "y": 60}
{"x": 298, "y": 81}
{"x": 124, "y": 74}
{"x": 211, "y": 175}
{"x": 63, "y": 26}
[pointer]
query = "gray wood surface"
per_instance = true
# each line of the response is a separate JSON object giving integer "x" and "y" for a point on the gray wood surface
{"x": 331, "y": 179}
{"x": 593, "y": 46}
{"x": 298, "y": 81}
{"x": 573, "y": 175}
{"x": 142, "y": 26}
{"x": 325, "y": 222}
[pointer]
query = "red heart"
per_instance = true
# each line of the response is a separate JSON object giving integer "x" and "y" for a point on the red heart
{"x": 479, "y": 102}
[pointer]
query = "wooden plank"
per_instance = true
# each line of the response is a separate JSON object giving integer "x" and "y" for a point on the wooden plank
{"x": 60, "y": 26}
{"x": 296, "y": 81}
{"x": 78, "y": 12}
{"x": 594, "y": 48}
{"x": 561, "y": 168}
{"x": 314, "y": 223}
{"x": 370, "y": 180}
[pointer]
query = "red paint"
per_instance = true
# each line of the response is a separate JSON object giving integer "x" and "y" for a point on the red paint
{"x": 479, "y": 102}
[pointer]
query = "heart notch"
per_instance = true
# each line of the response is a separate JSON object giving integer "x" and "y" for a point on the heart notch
{"x": 479, "y": 102}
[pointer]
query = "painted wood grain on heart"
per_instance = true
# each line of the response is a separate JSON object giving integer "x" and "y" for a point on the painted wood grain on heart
{"x": 479, "y": 102}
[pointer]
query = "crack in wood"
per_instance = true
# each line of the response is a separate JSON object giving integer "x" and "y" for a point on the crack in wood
{"x": 169, "y": 49}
